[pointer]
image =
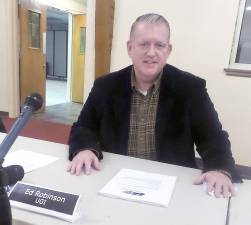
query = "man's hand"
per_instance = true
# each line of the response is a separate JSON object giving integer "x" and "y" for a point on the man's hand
{"x": 86, "y": 159}
{"x": 217, "y": 183}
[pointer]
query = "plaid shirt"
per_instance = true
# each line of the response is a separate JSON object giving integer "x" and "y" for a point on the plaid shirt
{"x": 141, "y": 142}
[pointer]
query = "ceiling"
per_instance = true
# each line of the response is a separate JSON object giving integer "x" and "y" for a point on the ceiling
{"x": 56, "y": 16}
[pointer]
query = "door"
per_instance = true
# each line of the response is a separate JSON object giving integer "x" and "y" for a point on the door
{"x": 104, "y": 20}
{"x": 32, "y": 16}
{"x": 78, "y": 57}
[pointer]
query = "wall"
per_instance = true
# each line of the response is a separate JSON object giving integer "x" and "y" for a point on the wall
{"x": 72, "y": 6}
{"x": 9, "y": 92}
{"x": 90, "y": 48}
{"x": 201, "y": 34}
{"x": 3, "y": 66}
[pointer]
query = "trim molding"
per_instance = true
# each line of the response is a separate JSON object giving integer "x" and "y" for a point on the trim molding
{"x": 238, "y": 72}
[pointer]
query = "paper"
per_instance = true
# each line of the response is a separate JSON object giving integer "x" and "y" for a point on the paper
{"x": 140, "y": 186}
{"x": 28, "y": 160}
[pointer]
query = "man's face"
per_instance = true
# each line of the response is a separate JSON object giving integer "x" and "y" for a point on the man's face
{"x": 149, "y": 49}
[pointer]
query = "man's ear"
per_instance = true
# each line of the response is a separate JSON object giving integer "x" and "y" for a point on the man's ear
{"x": 170, "y": 48}
{"x": 129, "y": 47}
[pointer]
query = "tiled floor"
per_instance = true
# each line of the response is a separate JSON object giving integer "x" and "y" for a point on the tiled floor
{"x": 57, "y": 109}
{"x": 55, "y": 92}
{"x": 65, "y": 113}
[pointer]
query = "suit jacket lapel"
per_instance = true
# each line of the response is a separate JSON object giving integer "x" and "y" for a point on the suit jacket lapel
{"x": 121, "y": 108}
{"x": 170, "y": 111}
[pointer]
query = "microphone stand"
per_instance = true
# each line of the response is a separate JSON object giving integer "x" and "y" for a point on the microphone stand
{"x": 32, "y": 103}
{"x": 13, "y": 133}
{"x": 5, "y": 210}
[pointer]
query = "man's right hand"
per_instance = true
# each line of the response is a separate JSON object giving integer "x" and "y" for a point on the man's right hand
{"x": 84, "y": 159}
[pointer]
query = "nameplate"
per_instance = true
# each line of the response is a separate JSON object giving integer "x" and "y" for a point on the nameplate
{"x": 43, "y": 200}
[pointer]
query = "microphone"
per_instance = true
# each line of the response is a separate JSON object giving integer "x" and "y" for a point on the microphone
{"x": 32, "y": 103}
{"x": 11, "y": 174}
{"x": 8, "y": 176}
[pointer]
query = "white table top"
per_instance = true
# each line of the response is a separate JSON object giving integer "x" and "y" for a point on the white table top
{"x": 189, "y": 204}
{"x": 240, "y": 208}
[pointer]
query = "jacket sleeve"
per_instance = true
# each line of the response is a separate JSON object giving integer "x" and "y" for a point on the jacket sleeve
{"x": 211, "y": 140}
{"x": 84, "y": 132}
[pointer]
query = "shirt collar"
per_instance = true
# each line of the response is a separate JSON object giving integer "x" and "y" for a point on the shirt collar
{"x": 155, "y": 87}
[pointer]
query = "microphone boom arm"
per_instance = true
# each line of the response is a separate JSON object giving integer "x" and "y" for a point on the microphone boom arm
{"x": 12, "y": 135}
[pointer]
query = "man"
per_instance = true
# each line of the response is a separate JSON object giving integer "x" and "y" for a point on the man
{"x": 155, "y": 111}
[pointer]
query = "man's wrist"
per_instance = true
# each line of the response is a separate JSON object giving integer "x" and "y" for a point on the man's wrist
{"x": 225, "y": 173}
{"x": 96, "y": 153}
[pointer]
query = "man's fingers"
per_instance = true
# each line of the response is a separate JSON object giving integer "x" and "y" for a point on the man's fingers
{"x": 218, "y": 184}
{"x": 226, "y": 191}
{"x": 218, "y": 190}
{"x": 199, "y": 180}
{"x": 87, "y": 166}
{"x": 96, "y": 164}
{"x": 78, "y": 168}
{"x": 210, "y": 187}
{"x": 73, "y": 168}
{"x": 231, "y": 190}
{"x": 69, "y": 167}
{"x": 86, "y": 159}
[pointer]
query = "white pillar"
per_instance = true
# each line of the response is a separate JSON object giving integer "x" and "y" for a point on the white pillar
{"x": 90, "y": 48}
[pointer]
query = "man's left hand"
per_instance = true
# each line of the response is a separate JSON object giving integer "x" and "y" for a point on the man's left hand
{"x": 217, "y": 183}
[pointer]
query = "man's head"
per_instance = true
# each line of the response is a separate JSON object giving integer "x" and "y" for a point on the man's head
{"x": 149, "y": 46}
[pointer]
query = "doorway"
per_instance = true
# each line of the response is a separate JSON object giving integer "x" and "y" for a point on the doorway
{"x": 54, "y": 36}
{"x": 56, "y": 56}
{"x": 59, "y": 106}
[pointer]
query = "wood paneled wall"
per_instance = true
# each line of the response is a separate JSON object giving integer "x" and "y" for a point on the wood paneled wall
{"x": 103, "y": 36}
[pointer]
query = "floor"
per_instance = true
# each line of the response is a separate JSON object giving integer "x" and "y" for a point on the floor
{"x": 55, "y": 92}
{"x": 57, "y": 108}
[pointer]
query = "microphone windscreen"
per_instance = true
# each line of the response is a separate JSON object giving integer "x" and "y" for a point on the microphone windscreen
{"x": 35, "y": 101}
{"x": 15, "y": 173}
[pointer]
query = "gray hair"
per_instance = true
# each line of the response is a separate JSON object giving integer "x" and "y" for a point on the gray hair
{"x": 151, "y": 18}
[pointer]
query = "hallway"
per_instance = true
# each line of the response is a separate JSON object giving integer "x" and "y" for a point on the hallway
{"x": 58, "y": 109}
{"x": 55, "y": 92}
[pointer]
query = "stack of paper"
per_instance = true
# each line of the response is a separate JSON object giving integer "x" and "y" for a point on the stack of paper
{"x": 28, "y": 160}
{"x": 140, "y": 186}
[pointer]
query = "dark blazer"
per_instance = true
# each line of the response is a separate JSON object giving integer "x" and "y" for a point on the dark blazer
{"x": 185, "y": 117}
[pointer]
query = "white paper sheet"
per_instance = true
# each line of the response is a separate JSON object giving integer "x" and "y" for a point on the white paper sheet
{"x": 28, "y": 160}
{"x": 140, "y": 186}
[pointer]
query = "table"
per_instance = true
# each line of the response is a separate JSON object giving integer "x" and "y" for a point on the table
{"x": 240, "y": 207}
{"x": 189, "y": 204}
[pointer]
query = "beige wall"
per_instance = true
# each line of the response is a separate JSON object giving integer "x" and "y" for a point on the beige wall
{"x": 8, "y": 57}
{"x": 201, "y": 34}
{"x": 90, "y": 49}
{"x": 72, "y": 6}
{"x": 3, "y": 66}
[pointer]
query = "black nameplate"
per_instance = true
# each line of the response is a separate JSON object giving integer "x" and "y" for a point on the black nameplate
{"x": 44, "y": 198}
